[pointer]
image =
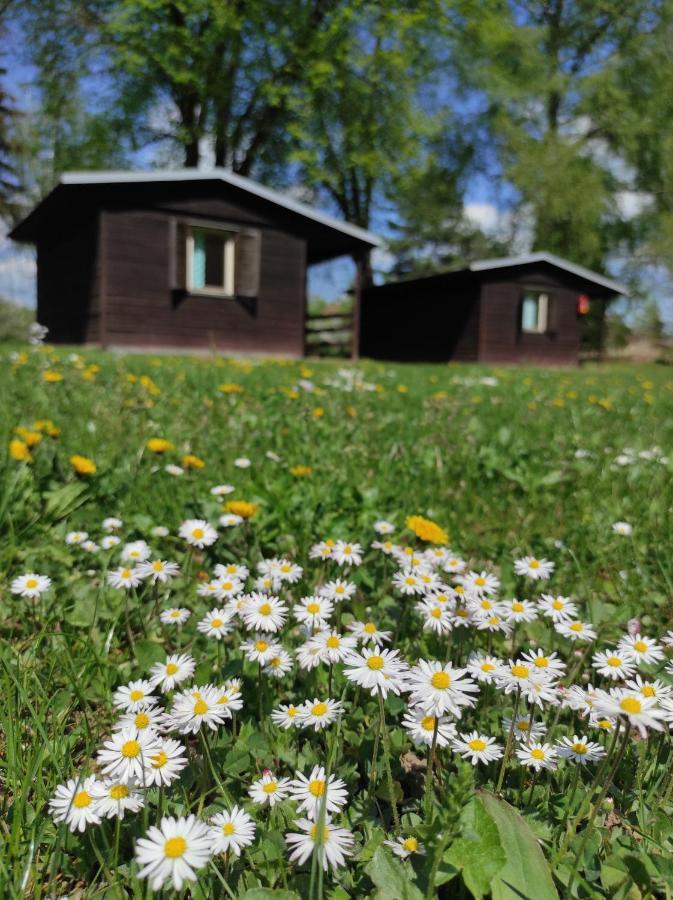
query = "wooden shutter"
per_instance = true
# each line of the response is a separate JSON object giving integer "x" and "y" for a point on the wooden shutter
{"x": 552, "y": 313}
{"x": 248, "y": 263}
{"x": 177, "y": 255}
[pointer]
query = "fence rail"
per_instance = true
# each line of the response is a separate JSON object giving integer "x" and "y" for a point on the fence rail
{"x": 329, "y": 334}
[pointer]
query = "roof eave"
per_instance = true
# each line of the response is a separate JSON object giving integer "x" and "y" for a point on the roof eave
{"x": 482, "y": 265}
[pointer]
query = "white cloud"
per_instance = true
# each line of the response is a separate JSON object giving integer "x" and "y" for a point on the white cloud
{"x": 486, "y": 216}
{"x": 632, "y": 203}
{"x": 17, "y": 272}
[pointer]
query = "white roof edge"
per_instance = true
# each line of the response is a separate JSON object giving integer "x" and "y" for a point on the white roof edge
{"x": 246, "y": 184}
{"x": 479, "y": 265}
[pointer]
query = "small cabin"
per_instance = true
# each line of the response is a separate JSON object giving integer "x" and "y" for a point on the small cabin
{"x": 522, "y": 309}
{"x": 187, "y": 259}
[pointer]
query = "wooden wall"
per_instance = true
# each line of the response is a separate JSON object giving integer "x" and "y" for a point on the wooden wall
{"x": 500, "y": 335}
{"x": 141, "y": 309}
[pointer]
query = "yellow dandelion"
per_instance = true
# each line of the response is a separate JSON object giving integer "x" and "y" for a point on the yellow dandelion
{"x": 159, "y": 445}
{"x": 241, "y": 508}
{"x": 427, "y": 530}
{"x": 51, "y": 377}
{"x": 19, "y": 451}
{"x": 31, "y": 438}
{"x": 318, "y": 412}
{"x": 83, "y": 465}
{"x": 230, "y": 387}
{"x": 192, "y": 462}
{"x": 301, "y": 471}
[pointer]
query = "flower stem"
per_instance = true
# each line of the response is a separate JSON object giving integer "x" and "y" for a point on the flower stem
{"x": 386, "y": 762}
{"x": 427, "y": 800}
{"x": 508, "y": 747}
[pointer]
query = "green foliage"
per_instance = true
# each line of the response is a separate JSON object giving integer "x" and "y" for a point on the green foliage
{"x": 15, "y": 321}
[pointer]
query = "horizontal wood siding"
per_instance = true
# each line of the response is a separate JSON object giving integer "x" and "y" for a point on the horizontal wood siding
{"x": 431, "y": 320}
{"x": 67, "y": 283}
{"x": 500, "y": 335}
{"x": 143, "y": 310}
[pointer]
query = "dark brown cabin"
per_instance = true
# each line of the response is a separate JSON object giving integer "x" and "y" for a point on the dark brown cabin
{"x": 523, "y": 309}
{"x": 179, "y": 260}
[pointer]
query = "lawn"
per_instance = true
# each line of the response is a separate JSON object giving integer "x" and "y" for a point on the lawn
{"x": 572, "y": 797}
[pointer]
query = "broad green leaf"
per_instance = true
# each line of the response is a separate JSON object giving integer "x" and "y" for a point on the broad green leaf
{"x": 64, "y": 500}
{"x": 391, "y": 878}
{"x": 478, "y": 852}
{"x": 148, "y": 653}
{"x": 525, "y": 875}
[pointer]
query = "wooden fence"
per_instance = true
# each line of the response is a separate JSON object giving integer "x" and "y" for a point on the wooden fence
{"x": 329, "y": 334}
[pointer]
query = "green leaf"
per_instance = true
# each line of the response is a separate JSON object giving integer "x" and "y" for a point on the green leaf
{"x": 62, "y": 501}
{"x": 269, "y": 894}
{"x": 478, "y": 851}
{"x": 148, "y": 653}
{"x": 525, "y": 873}
{"x": 391, "y": 878}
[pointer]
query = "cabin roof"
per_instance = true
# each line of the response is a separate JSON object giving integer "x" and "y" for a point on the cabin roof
{"x": 342, "y": 237}
{"x": 527, "y": 259}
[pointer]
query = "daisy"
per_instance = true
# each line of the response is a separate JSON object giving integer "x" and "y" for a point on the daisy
{"x": 558, "y": 609}
{"x": 158, "y": 570}
{"x": 195, "y": 707}
{"x": 317, "y": 792}
{"x": 368, "y": 631}
{"x": 377, "y": 670}
{"x": 337, "y": 590}
{"x": 127, "y": 754}
{"x": 231, "y": 831}
{"x": 580, "y": 749}
{"x": 286, "y": 717}
{"x": 405, "y": 847}
{"x": 319, "y": 713}
{"x": 438, "y": 688}
{"x": 221, "y": 490}
{"x": 166, "y": 763}
{"x": 519, "y": 610}
{"x": 229, "y": 697}
{"x": 110, "y": 541}
{"x": 576, "y": 631}
{"x": 76, "y": 537}
{"x": 151, "y": 717}
{"x": 112, "y": 798}
{"x": 382, "y": 526}
{"x": 321, "y": 550}
{"x": 269, "y": 789}
{"x": 124, "y": 577}
{"x": 524, "y": 730}
{"x": 549, "y": 663}
{"x": 540, "y": 688}
{"x": 289, "y": 572}
{"x": 408, "y": 584}
{"x": 623, "y": 529}
{"x": 483, "y": 667}
{"x": 478, "y": 748}
{"x": 453, "y": 565}
{"x": 279, "y": 665}
{"x": 435, "y": 618}
{"x": 90, "y": 546}
{"x": 332, "y": 846}
{"x": 74, "y": 803}
{"x": 112, "y": 523}
{"x": 230, "y": 520}
{"x": 386, "y": 547}
{"x": 642, "y": 649}
{"x": 227, "y": 586}
{"x": 264, "y": 613}
{"x": 333, "y": 647}
{"x": 421, "y": 728}
{"x": 160, "y": 531}
{"x": 242, "y": 462}
{"x": 258, "y": 649}
{"x": 480, "y": 582}
{"x": 172, "y": 851}
{"x": 537, "y": 756}
{"x": 654, "y": 688}
{"x": 173, "y": 671}
{"x": 308, "y": 656}
{"x": 347, "y": 554}
{"x": 134, "y": 696}
{"x": 30, "y": 585}
{"x": 172, "y": 469}
{"x": 235, "y": 571}
{"x": 136, "y": 552}
{"x": 175, "y": 615}
{"x": 198, "y": 533}
{"x": 640, "y": 712}
{"x": 581, "y": 699}
{"x": 215, "y": 624}
{"x": 614, "y": 664}
{"x": 313, "y": 611}
{"x": 537, "y": 569}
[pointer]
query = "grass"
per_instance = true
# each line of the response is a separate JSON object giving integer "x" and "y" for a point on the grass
{"x": 491, "y": 455}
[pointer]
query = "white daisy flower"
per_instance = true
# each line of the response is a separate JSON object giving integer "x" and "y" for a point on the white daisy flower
{"x": 540, "y": 688}
{"x": 369, "y": 631}
{"x": 158, "y": 570}
{"x": 110, "y": 541}
{"x": 479, "y": 582}
{"x": 30, "y": 585}
{"x": 159, "y": 531}
{"x": 289, "y": 572}
{"x": 134, "y": 696}
{"x": 642, "y": 649}
{"x": 615, "y": 664}
{"x": 172, "y": 469}
{"x": 531, "y": 567}
{"x": 229, "y": 697}
{"x": 308, "y": 656}
{"x": 230, "y": 520}
{"x": 623, "y": 529}
{"x": 558, "y": 609}
{"x": 175, "y": 615}
{"x": 383, "y": 526}
{"x": 408, "y": 583}
{"x": 127, "y": 754}
{"x": 174, "y": 670}
{"x": 524, "y": 730}
{"x": 477, "y": 747}
{"x": 453, "y": 565}
{"x": 313, "y": 611}
{"x": 655, "y": 688}
{"x": 269, "y": 790}
{"x": 136, "y": 552}
{"x": 279, "y": 665}
{"x": 287, "y": 717}
{"x": 166, "y": 762}
{"x": 377, "y": 670}
{"x": 113, "y": 798}
{"x": 436, "y": 618}
{"x": 198, "y": 533}
{"x": 575, "y": 630}
{"x": 519, "y": 610}
{"x": 319, "y": 713}
{"x": 333, "y": 647}
{"x": 387, "y": 547}
{"x": 112, "y": 523}
{"x": 421, "y": 727}
{"x": 537, "y": 756}
{"x": 236, "y": 571}
{"x": 439, "y": 688}
{"x": 264, "y": 613}
{"x": 337, "y": 590}
{"x": 405, "y": 846}
{"x": 231, "y": 831}
{"x": 124, "y": 578}
{"x": 221, "y": 490}
{"x": 579, "y": 749}
{"x": 640, "y": 712}
{"x": 321, "y": 550}
{"x": 260, "y": 650}
{"x": 90, "y": 547}
{"x": 347, "y": 554}
{"x": 316, "y": 791}
{"x": 483, "y": 667}
{"x": 195, "y": 707}
{"x": 173, "y": 851}
{"x": 76, "y": 537}
{"x": 227, "y": 586}
{"x": 215, "y": 624}
{"x": 333, "y": 848}
{"x": 242, "y": 462}
{"x": 75, "y": 804}
{"x": 150, "y": 717}
{"x": 545, "y": 662}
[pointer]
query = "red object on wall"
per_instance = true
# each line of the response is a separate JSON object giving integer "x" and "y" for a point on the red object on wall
{"x": 582, "y": 305}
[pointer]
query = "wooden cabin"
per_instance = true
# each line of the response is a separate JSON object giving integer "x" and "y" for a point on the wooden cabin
{"x": 185, "y": 259}
{"x": 522, "y": 309}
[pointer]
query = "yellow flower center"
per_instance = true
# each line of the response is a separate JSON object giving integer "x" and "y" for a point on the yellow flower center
{"x": 292, "y": 711}
{"x": 648, "y": 691}
{"x": 410, "y": 845}
{"x": 436, "y": 613}
{"x": 198, "y": 533}
{"x": 261, "y": 646}
{"x": 158, "y": 566}
{"x": 31, "y": 583}
{"x": 428, "y": 723}
{"x": 314, "y": 833}
{"x": 265, "y": 609}
{"x": 614, "y": 661}
{"x": 487, "y": 667}
{"x": 523, "y": 725}
{"x": 81, "y": 799}
{"x": 332, "y": 642}
{"x": 410, "y": 580}
{"x": 269, "y": 787}
{"x": 130, "y": 749}
{"x": 486, "y": 604}
{"x": 142, "y": 720}
{"x": 228, "y": 829}
{"x": 316, "y": 787}
{"x": 534, "y": 564}
{"x": 175, "y": 847}
{"x": 375, "y": 662}
{"x": 227, "y": 586}
{"x": 557, "y": 604}
{"x": 224, "y": 699}
{"x": 119, "y": 792}
{"x": 605, "y": 724}
{"x": 576, "y": 626}
{"x": 215, "y": 623}
{"x": 175, "y": 614}
{"x": 200, "y": 707}
{"x": 370, "y": 628}
{"x": 313, "y": 608}
{"x": 136, "y": 695}
{"x": 520, "y": 671}
{"x": 319, "y": 709}
{"x": 541, "y": 662}
{"x": 580, "y": 748}
{"x": 348, "y": 549}
{"x": 640, "y": 647}
{"x": 477, "y": 744}
{"x": 441, "y": 681}
{"x": 630, "y": 705}
{"x": 171, "y": 668}
{"x": 340, "y": 589}
{"x": 126, "y": 573}
{"x": 537, "y": 753}
{"x": 160, "y": 760}
{"x": 479, "y": 581}
{"x": 517, "y": 607}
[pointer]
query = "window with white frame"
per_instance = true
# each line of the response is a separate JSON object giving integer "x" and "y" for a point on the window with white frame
{"x": 211, "y": 253}
{"x": 535, "y": 312}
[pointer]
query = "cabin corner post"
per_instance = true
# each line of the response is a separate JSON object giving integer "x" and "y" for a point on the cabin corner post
{"x": 360, "y": 261}
{"x": 103, "y": 278}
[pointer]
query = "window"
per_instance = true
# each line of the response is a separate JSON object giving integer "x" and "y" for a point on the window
{"x": 210, "y": 261}
{"x": 535, "y": 313}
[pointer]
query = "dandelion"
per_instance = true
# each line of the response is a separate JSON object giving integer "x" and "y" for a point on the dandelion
{"x": 198, "y": 533}
{"x": 127, "y": 754}
{"x": 82, "y": 465}
{"x": 333, "y": 848}
{"x": 75, "y": 804}
{"x": 537, "y": 569}
{"x": 477, "y": 747}
{"x": 405, "y": 846}
{"x": 174, "y": 615}
{"x": 241, "y": 508}
{"x": 537, "y": 756}
{"x": 113, "y": 798}
{"x": 30, "y": 585}
{"x": 319, "y": 713}
{"x": 159, "y": 445}
{"x": 231, "y": 831}
{"x": 269, "y": 790}
{"x": 191, "y": 461}
{"x": 172, "y": 851}
{"x": 318, "y": 791}
{"x": 173, "y": 671}
{"x": 427, "y": 530}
